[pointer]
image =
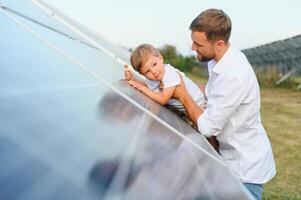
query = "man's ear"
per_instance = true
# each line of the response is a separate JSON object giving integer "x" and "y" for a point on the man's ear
{"x": 219, "y": 45}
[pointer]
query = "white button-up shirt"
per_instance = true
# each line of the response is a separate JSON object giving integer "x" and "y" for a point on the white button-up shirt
{"x": 232, "y": 115}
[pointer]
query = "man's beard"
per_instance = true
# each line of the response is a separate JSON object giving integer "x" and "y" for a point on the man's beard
{"x": 202, "y": 58}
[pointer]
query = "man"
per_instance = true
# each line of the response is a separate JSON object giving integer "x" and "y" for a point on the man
{"x": 232, "y": 113}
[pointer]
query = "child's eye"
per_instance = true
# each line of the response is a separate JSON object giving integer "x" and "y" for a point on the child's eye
{"x": 154, "y": 64}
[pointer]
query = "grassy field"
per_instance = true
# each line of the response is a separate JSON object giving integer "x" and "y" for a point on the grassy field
{"x": 297, "y": 79}
{"x": 281, "y": 116}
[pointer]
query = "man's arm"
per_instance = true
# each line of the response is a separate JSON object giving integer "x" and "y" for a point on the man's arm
{"x": 160, "y": 97}
{"x": 193, "y": 110}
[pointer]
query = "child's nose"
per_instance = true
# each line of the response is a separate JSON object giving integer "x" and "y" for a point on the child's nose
{"x": 153, "y": 70}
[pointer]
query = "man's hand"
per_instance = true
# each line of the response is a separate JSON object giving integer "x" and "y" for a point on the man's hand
{"x": 137, "y": 85}
{"x": 202, "y": 87}
{"x": 192, "y": 109}
{"x": 180, "y": 90}
{"x": 127, "y": 73}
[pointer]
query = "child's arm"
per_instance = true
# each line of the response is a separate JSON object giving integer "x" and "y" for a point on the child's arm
{"x": 161, "y": 97}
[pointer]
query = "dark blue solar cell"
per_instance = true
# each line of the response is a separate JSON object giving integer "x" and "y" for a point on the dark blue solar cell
{"x": 22, "y": 177}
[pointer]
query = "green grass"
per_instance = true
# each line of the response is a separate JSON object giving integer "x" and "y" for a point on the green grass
{"x": 297, "y": 79}
{"x": 281, "y": 116}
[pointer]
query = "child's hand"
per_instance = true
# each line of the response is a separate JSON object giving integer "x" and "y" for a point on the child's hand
{"x": 137, "y": 85}
{"x": 127, "y": 73}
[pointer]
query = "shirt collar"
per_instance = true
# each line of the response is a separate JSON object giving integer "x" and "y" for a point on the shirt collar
{"x": 217, "y": 67}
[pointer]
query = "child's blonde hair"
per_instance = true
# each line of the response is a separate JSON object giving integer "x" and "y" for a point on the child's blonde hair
{"x": 140, "y": 55}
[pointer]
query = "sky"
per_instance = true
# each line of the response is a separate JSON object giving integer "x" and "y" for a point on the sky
{"x": 158, "y": 22}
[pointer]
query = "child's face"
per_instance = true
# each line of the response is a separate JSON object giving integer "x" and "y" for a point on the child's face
{"x": 153, "y": 68}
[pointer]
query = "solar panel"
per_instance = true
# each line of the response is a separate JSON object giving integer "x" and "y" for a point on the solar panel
{"x": 71, "y": 128}
{"x": 282, "y": 54}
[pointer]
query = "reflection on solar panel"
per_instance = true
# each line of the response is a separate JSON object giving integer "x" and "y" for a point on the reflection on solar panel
{"x": 283, "y": 54}
{"x": 71, "y": 128}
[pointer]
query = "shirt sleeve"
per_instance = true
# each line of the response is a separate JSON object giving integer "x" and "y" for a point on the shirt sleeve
{"x": 226, "y": 94}
{"x": 153, "y": 85}
{"x": 171, "y": 77}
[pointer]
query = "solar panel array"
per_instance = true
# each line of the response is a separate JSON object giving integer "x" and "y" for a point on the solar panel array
{"x": 72, "y": 128}
{"x": 283, "y": 54}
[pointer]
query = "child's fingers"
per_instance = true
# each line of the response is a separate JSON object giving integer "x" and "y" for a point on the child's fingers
{"x": 131, "y": 82}
{"x": 126, "y": 68}
{"x": 128, "y": 75}
{"x": 127, "y": 72}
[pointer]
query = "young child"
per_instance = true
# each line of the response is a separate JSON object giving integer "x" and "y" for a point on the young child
{"x": 161, "y": 80}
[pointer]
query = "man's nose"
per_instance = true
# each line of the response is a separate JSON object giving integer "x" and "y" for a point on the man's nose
{"x": 194, "y": 47}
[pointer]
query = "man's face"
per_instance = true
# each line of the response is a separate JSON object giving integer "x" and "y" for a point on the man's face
{"x": 204, "y": 48}
{"x": 153, "y": 68}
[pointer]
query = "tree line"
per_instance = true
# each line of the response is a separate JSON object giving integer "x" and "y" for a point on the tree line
{"x": 183, "y": 63}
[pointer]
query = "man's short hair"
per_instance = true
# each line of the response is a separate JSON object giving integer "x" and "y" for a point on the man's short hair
{"x": 140, "y": 55}
{"x": 214, "y": 23}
